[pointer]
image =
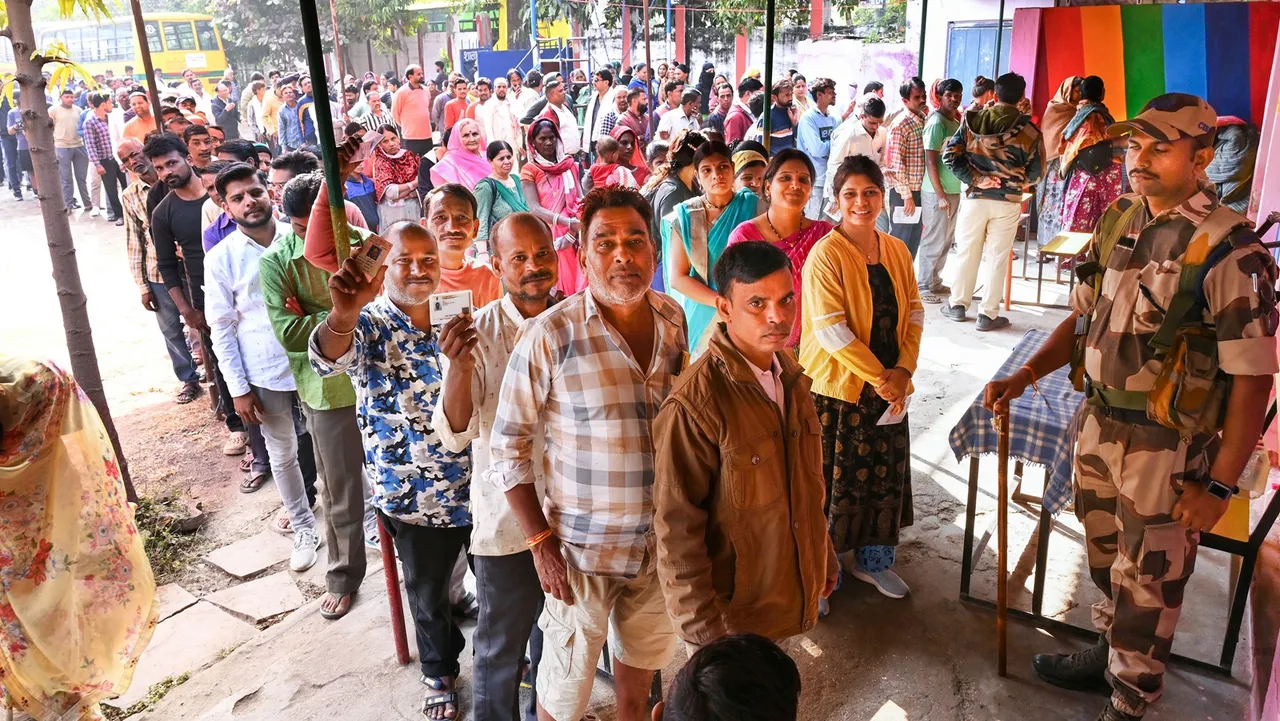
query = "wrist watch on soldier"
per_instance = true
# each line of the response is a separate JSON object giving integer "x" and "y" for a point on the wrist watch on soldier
{"x": 1217, "y": 489}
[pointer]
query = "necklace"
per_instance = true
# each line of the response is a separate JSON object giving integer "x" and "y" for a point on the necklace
{"x": 866, "y": 256}
{"x": 769, "y": 220}
{"x": 715, "y": 207}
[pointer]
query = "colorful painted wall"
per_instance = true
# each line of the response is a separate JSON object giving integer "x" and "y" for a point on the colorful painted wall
{"x": 1220, "y": 51}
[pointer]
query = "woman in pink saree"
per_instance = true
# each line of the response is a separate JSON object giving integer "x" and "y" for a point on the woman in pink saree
{"x": 465, "y": 163}
{"x": 550, "y": 185}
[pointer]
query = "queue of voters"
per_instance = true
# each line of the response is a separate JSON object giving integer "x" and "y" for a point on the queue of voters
{"x": 660, "y": 425}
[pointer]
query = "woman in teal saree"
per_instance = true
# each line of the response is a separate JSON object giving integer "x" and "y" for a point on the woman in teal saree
{"x": 695, "y": 234}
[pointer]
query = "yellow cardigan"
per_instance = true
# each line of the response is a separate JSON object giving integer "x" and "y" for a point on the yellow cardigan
{"x": 837, "y": 304}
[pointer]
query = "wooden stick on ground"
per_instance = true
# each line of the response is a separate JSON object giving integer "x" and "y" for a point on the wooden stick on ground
{"x": 1002, "y": 533}
{"x": 392, "y": 575}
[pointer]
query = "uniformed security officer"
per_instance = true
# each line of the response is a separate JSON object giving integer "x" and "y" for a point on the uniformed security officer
{"x": 1145, "y": 488}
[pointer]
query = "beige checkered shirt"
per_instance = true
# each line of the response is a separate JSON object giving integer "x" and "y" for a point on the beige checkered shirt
{"x": 571, "y": 375}
{"x": 137, "y": 233}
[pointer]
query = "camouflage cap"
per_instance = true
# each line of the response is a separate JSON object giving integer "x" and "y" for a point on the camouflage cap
{"x": 1170, "y": 117}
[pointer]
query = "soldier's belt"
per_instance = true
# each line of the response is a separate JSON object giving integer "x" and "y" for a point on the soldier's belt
{"x": 1121, "y": 405}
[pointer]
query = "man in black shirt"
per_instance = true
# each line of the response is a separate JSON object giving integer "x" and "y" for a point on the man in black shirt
{"x": 176, "y": 223}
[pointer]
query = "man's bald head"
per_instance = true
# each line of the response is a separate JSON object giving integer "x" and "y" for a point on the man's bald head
{"x": 134, "y": 160}
{"x": 524, "y": 257}
{"x": 414, "y": 262}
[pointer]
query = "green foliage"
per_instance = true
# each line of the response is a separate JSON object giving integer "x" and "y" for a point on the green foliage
{"x": 736, "y": 16}
{"x": 262, "y": 32}
{"x": 157, "y": 691}
{"x": 65, "y": 70}
{"x": 885, "y": 22}
{"x": 383, "y": 22}
{"x": 168, "y": 550}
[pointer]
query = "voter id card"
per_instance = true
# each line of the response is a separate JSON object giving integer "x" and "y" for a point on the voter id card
{"x": 447, "y": 306}
{"x": 372, "y": 255}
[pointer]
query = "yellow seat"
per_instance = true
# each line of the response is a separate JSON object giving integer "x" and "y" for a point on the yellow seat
{"x": 1234, "y": 524}
{"x": 1067, "y": 244}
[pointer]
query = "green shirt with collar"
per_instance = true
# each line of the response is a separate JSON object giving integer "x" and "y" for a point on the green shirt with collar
{"x": 286, "y": 274}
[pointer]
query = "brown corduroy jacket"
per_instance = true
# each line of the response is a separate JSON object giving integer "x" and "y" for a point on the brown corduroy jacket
{"x": 738, "y": 500}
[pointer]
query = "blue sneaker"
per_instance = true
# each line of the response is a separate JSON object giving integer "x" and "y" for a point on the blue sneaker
{"x": 886, "y": 582}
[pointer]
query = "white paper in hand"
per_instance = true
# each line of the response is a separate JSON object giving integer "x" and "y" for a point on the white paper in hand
{"x": 901, "y": 218}
{"x": 889, "y": 418}
{"x": 447, "y": 306}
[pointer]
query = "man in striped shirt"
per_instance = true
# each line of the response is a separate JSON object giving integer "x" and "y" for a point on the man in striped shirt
{"x": 97, "y": 141}
{"x": 591, "y": 373}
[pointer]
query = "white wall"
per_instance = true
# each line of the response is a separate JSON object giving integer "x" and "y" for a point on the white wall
{"x": 943, "y": 12}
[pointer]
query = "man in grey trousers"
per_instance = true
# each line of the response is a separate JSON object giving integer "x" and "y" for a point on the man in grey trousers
{"x": 509, "y": 590}
{"x": 939, "y": 193}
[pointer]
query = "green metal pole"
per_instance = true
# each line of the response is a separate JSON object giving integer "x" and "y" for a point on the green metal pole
{"x": 769, "y": 12}
{"x": 999, "y": 39}
{"x": 924, "y": 26}
{"x": 324, "y": 127}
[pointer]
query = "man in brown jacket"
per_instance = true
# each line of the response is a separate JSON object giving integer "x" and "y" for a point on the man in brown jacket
{"x": 738, "y": 489}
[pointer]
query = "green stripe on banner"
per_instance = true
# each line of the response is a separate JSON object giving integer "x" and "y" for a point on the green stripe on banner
{"x": 1143, "y": 28}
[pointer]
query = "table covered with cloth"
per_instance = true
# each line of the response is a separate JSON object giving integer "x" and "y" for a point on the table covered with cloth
{"x": 1040, "y": 434}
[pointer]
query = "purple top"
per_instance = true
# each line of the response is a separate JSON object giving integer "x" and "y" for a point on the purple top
{"x": 797, "y": 247}
{"x": 217, "y": 232}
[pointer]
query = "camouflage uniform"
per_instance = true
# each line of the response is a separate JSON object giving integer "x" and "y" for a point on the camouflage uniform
{"x": 1129, "y": 473}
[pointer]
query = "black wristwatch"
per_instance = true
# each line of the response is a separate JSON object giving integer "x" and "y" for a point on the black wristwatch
{"x": 1220, "y": 491}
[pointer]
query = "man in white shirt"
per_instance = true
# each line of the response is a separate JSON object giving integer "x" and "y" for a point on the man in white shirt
{"x": 861, "y": 134}
{"x": 507, "y": 583}
{"x": 568, "y": 119}
{"x": 253, "y": 363}
{"x": 598, "y": 105}
{"x": 522, "y": 98}
{"x": 685, "y": 117}
{"x": 498, "y": 116}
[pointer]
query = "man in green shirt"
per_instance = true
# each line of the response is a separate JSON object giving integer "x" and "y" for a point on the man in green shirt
{"x": 939, "y": 193}
{"x": 297, "y": 299}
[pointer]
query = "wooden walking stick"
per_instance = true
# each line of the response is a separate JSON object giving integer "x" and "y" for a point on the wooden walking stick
{"x": 1002, "y": 544}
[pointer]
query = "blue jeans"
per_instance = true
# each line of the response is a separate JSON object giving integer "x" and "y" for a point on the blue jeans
{"x": 184, "y": 367}
{"x": 13, "y": 170}
{"x": 74, "y": 161}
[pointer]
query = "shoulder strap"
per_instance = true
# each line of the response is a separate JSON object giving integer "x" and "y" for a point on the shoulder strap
{"x": 1205, "y": 250}
{"x": 1106, "y": 243}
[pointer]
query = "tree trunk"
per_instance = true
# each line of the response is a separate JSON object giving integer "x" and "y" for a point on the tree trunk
{"x": 57, "y": 226}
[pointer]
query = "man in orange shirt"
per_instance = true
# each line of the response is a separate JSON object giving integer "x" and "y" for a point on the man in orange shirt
{"x": 451, "y": 218}
{"x": 455, "y": 109}
{"x": 483, "y": 90}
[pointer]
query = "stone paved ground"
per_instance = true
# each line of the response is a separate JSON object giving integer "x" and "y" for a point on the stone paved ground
{"x": 924, "y": 658}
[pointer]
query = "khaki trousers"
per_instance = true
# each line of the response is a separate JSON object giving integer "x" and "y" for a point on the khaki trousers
{"x": 984, "y": 230}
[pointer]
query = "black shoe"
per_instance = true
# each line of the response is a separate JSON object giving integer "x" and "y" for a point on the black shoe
{"x": 73, "y": 205}
{"x": 954, "y": 312}
{"x": 1080, "y": 671}
{"x": 118, "y": 221}
{"x": 1111, "y": 713}
{"x": 985, "y": 324}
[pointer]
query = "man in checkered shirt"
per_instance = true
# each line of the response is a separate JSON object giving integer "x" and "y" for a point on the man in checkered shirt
{"x": 591, "y": 373}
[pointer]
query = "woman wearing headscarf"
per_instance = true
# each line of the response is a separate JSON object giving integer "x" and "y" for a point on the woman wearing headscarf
{"x": 749, "y": 163}
{"x": 497, "y": 195}
{"x": 395, "y": 180}
{"x": 706, "y": 83}
{"x": 671, "y": 186}
{"x": 464, "y": 163}
{"x": 695, "y": 234}
{"x": 631, "y": 156}
{"x": 77, "y": 605}
{"x": 1089, "y": 162}
{"x": 549, "y": 182}
{"x": 1060, "y": 110}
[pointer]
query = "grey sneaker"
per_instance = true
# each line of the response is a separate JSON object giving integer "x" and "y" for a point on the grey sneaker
{"x": 305, "y": 543}
{"x": 985, "y": 324}
{"x": 886, "y": 582}
{"x": 954, "y": 312}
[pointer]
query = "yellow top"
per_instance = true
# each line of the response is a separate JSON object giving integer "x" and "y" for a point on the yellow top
{"x": 837, "y": 315}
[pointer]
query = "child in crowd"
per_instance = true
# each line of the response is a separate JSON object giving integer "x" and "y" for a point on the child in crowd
{"x": 743, "y": 677}
{"x": 607, "y": 171}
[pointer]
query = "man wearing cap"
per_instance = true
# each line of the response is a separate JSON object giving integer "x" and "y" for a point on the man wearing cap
{"x": 1147, "y": 488}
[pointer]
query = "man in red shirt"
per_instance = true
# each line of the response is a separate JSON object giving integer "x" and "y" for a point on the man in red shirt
{"x": 456, "y": 109}
{"x": 739, "y": 119}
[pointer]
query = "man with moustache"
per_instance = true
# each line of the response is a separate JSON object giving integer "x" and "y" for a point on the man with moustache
{"x": 451, "y": 217}
{"x": 738, "y": 462}
{"x": 590, "y": 373}
{"x": 253, "y": 363}
{"x": 499, "y": 118}
{"x": 391, "y": 350}
{"x": 142, "y": 266}
{"x": 511, "y": 598}
{"x": 1147, "y": 489}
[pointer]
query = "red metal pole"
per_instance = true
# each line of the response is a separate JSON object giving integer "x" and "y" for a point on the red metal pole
{"x": 392, "y": 574}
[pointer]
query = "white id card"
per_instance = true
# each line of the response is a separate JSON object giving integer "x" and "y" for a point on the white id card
{"x": 447, "y": 306}
{"x": 901, "y": 218}
{"x": 889, "y": 419}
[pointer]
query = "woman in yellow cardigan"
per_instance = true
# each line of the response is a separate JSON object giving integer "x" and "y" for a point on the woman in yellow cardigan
{"x": 860, "y": 339}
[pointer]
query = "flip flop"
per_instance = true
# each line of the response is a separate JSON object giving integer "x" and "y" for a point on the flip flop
{"x": 335, "y": 615}
{"x": 468, "y": 607}
{"x": 446, "y": 698}
{"x": 246, "y": 463}
{"x": 189, "y": 392}
{"x": 280, "y": 524}
{"x": 253, "y": 481}
{"x": 928, "y": 297}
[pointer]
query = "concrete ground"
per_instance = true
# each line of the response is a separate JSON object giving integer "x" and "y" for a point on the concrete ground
{"x": 928, "y": 657}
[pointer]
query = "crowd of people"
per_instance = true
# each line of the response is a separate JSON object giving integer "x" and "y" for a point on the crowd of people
{"x": 679, "y": 409}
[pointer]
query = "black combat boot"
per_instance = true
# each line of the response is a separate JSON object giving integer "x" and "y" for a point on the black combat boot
{"x": 1111, "y": 713}
{"x": 1080, "y": 671}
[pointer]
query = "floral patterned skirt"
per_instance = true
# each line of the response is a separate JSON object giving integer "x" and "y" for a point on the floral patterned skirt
{"x": 1087, "y": 197}
{"x": 867, "y": 470}
{"x": 1049, "y": 204}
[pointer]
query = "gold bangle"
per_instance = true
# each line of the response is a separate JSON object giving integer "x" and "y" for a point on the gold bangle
{"x": 539, "y": 538}
{"x": 332, "y": 330}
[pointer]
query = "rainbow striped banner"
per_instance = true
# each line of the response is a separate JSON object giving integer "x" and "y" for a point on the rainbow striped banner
{"x": 1222, "y": 52}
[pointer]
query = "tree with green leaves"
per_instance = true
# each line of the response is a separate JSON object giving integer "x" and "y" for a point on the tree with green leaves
{"x": 31, "y": 63}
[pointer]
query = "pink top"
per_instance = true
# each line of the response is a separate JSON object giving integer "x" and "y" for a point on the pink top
{"x": 796, "y": 247}
{"x": 411, "y": 109}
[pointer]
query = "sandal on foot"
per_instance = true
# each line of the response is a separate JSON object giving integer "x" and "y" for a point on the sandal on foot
{"x": 189, "y": 392}
{"x": 438, "y": 696}
{"x": 343, "y": 598}
{"x": 280, "y": 523}
{"x": 253, "y": 481}
{"x": 246, "y": 462}
{"x": 927, "y": 296}
{"x": 467, "y": 607}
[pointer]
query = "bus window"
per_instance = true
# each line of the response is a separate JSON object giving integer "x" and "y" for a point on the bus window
{"x": 153, "y": 36}
{"x": 178, "y": 36}
{"x": 206, "y": 37}
{"x": 118, "y": 39}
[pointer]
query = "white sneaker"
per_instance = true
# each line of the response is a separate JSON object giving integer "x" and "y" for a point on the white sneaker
{"x": 886, "y": 582}
{"x": 94, "y": 213}
{"x": 237, "y": 443}
{"x": 305, "y": 543}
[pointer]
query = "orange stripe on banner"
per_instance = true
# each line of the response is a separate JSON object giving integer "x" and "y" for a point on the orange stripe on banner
{"x": 1104, "y": 52}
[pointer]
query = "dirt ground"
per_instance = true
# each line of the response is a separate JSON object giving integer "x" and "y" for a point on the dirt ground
{"x": 927, "y": 657}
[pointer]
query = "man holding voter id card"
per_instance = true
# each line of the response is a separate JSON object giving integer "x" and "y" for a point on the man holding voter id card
{"x": 390, "y": 346}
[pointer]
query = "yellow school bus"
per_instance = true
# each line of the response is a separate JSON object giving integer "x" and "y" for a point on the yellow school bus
{"x": 178, "y": 41}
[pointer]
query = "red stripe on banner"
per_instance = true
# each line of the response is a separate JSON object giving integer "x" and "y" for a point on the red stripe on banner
{"x": 1063, "y": 44}
{"x": 1264, "y": 22}
{"x": 1024, "y": 51}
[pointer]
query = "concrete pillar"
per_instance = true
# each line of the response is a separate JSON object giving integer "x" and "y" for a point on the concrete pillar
{"x": 739, "y": 56}
{"x": 816, "y": 18}
{"x": 626, "y": 36}
{"x": 681, "y": 46}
